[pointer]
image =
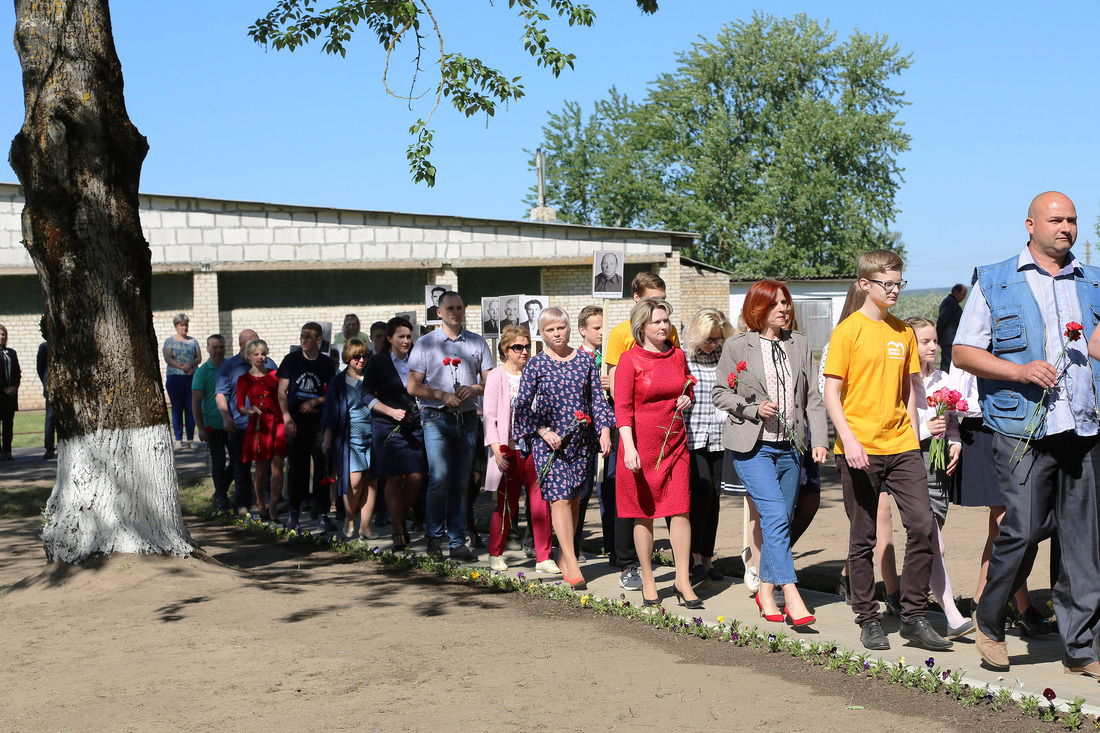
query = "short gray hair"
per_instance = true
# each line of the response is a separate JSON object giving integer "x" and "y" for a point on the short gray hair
{"x": 180, "y": 318}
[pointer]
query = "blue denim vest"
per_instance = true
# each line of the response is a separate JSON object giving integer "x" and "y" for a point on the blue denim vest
{"x": 1015, "y": 315}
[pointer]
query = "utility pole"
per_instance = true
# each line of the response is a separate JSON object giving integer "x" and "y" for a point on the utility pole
{"x": 542, "y": 212}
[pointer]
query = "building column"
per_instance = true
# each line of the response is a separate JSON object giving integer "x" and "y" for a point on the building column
{"x": 204, "y": 309}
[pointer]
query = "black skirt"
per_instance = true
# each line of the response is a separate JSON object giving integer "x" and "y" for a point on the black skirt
{"x": 975, "y": 482}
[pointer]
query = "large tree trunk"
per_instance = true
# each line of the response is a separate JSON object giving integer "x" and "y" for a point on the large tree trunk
{"x": 79, "y": 159}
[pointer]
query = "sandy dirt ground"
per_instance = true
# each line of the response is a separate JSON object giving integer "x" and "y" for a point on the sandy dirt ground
{"x": 269, "y": 636}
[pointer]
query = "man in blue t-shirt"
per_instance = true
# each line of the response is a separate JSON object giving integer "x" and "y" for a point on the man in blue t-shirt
{"x": 236, "y": 423}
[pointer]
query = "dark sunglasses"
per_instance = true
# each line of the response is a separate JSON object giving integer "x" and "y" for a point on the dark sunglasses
{"x": 520, "y": 347}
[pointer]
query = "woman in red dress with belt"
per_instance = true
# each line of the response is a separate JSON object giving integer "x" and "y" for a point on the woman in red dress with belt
{"x": 265, "y": 439}
{"x": 652, "y": 388}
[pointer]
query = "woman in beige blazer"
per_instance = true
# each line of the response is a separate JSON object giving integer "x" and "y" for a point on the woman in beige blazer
{"x": 765, "y": 381}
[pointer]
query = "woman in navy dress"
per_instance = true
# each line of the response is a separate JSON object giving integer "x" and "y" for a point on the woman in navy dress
{"x": 398, "y": 435}
{"x": 347, "y": 423}
{"x": 558, "y": 385}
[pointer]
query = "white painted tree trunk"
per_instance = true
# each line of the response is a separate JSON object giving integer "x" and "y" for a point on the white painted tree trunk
{"x": 115, "y": 492}
{"x": 78, "y": 157}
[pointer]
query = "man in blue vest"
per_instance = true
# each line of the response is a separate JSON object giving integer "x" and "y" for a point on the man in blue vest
{"x": 1038, "y": 391}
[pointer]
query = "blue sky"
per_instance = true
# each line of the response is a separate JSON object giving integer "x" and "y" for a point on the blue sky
{"x": 1003, "y": 104}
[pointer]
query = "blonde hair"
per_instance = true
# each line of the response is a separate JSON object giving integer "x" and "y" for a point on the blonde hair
{"x": 853, "y": 301}
{"x": 553, "y": 314}
{"x": 700, "y": 327}
{"x": 352, "y": 349}
{"x": 254, "y": 344}
{"x": 878, "y": 260}
{"x": 642, "y": 312}
{"x": 915, "y": 322}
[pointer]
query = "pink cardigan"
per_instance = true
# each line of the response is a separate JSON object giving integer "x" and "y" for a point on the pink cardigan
{"x": 497, "y": 410}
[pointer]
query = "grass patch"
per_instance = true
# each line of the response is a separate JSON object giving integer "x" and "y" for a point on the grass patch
{"x": 196, "y": 498}
{"x": 23, "y": 501}
{"x": 27, "y": 428}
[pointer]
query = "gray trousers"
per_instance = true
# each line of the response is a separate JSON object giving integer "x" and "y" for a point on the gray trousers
{"x": 1052, "y": 488}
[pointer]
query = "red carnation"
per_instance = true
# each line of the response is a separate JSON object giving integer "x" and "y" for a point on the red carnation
{"x": 732, "y": 379}
{"x": 741, "y": 366}
{"x": 456, "y": 361}
{"x": 328, "y": 481}
{"x": 1074, "y": 330}
{"x": 692, "y": 380}
{"x": 446, "y": 361}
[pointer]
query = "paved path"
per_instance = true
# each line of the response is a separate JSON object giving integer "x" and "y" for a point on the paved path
{"x": 1036, "y": 662}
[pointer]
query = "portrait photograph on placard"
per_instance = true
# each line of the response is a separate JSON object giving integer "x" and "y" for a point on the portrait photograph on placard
{"x": 432, "y": 294}
{"x": 530, "y": 308}
{"x": 607, "y": 274}
{"x": 490, "y": 317}
{"x": 510, "y": 313}
{"x": 410, "y": 316}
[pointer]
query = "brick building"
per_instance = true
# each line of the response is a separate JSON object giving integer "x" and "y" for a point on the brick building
{"x": 234, "y": 264}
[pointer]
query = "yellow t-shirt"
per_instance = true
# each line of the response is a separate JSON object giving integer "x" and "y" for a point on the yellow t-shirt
{"x": 874, "y": 359}
{"x": 620, "y": 339}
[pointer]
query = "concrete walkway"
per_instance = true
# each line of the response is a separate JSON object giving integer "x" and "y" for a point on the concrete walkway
{"x": 1036, "y": 662}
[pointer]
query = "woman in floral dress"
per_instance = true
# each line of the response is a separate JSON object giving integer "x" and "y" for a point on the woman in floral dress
{"x": 559, "y": 411}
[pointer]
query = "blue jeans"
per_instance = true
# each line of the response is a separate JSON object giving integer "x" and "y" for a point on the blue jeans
{"x": 450, "y": 452}
{"x": 770, "y": 473}
{"x": 179, "y": 394}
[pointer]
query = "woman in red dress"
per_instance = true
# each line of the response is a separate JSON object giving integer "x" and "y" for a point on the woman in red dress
{"x": 265, "y": 439}
{"x": 652, "y": 388}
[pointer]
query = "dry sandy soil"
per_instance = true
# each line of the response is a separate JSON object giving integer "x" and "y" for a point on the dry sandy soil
{"x": 269, "y": 636}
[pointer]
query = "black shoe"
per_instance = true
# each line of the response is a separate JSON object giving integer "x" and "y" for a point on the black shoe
{"x": 529, "y": 550}
{"x": 1032, "y": 623}
{"x": 844, "y": 588}
{"x": 921, "y": 633}
{"x": 648, "y": 602}
{"x": 715, "y": 574}
{"x": 327, "y": 525}
{"x": 462, "y": 553}
{"x": 50, "y": 456}
{"x": 435, "y": 548}
{"x": 693, "y": 604}
{"x": 872, "y": 636}
{"x": 699, "y": 578}
{"x": 893, "y": 603}
{"x": 477, "y": 541}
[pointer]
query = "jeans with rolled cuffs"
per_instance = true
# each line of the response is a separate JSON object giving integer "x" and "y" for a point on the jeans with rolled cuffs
{"x": 449, "y": 440}
{"x": 770, "y": 473}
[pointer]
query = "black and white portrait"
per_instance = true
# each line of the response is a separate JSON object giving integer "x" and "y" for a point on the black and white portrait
{"x": 607, "y": 274}
{"x": 509, "y": 310}
{"x": 531, "y": 307}
{"x": 490, "y": 318}
{"x": 432, "y": 294}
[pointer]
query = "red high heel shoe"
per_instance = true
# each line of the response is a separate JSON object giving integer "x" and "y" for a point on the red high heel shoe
{"x": 576, "y": 583}
{"x": 773, "y": 617}
{"x": 804, "y": 621}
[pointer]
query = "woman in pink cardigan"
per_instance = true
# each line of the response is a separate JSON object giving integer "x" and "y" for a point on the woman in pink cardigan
{"x": 507, "y": 471}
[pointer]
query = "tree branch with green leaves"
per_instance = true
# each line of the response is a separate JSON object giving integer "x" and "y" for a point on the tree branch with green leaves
{"x": 471, "y": 85}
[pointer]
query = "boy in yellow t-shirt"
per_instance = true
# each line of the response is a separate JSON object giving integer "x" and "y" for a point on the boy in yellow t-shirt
{"x": 869, "y": 397}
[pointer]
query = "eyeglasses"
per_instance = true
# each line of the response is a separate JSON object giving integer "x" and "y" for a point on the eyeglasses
{"x": 357, "y": 357}
{"x": 889, "y": 285}
{"x": 713, "y": 342}
{"x": 520, "y": 347}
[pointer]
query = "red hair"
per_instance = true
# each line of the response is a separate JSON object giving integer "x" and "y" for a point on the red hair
{"x": 759, "y": 300}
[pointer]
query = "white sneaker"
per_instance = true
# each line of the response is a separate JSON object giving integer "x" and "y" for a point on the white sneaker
{"x": 547, "y": 566}
{"x": 496, "y": 563}
{"x": 752, "y": 579}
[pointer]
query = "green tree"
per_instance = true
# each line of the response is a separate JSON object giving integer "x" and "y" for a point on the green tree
{"x": 603, "y": 172}
{"x": 471, "y": 85}
{"x": 777, "y": 145}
